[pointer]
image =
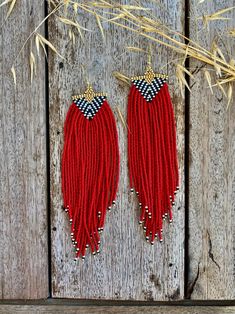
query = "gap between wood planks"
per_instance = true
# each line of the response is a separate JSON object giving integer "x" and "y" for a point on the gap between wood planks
{"x": 99, "y": 303}
{"x": 47, "y": 110}
{"x": 188, "y": 287}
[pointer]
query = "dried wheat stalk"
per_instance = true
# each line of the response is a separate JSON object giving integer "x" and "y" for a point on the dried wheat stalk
{"x": 132, "y": 18}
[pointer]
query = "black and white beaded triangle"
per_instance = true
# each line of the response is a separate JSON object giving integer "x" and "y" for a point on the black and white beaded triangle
{"x": 149, "y": 90}
{"x": 90, "y": 108}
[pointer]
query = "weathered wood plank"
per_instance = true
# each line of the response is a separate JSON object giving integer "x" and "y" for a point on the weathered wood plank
{"x": 212, "y": 176}
{"x": 61, "y": 309}
{"x": 23, "y": 213}
{"x": 127, "y": 267}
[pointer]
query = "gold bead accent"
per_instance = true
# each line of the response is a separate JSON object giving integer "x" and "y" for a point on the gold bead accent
{"x": 149, "y": 75}
{"x": 89, "y": 94}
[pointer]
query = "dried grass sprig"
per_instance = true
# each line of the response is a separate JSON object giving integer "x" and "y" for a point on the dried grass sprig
{"x": 13, "y": 74}
{"x": 148, "y": 28}
{"x": 231, "y": 32}
{"x": 11, "y": 4}
{"x": 33, "y": 67}
{"x": 121, "y": 118}
{"x": 121, "y": 77}
{"x": 138, "y": 19}
{"x": 39, "y": 25}
{"x": 215, "y": 16}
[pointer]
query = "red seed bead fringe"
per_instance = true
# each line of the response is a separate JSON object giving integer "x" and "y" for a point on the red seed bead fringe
{"x": 152, "y": 158}
{"x": 90, "y": 174}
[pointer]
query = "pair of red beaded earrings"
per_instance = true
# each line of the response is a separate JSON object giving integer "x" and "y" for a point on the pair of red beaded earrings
{"x": 90, "y": 162}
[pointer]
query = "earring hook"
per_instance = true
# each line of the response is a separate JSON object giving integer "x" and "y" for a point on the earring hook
{"x": 86, "y": 75}
{"x": 149, "y": 55}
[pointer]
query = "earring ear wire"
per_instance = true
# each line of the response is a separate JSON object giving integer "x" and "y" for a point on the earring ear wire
{"x": 149, "y": 60}
{"x": 85, "y": 74}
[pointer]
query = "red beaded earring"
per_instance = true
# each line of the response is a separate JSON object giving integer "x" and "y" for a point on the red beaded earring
{"x": 90, "y": 168}
{"x": 152, "y": 154}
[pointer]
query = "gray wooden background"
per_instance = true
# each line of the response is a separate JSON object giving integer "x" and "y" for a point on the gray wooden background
{"x": 196, "y": 259}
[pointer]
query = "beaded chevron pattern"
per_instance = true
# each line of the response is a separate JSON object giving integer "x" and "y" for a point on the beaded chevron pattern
{"x": 89, "y": 102}
{"x": 149, "y": 84}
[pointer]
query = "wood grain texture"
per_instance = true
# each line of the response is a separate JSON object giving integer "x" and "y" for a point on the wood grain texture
{"x": 128, "y": 268}
{"x": 23, "y": 213}
{"x": 61, "y": 309}
{"x": 212, "y": 176}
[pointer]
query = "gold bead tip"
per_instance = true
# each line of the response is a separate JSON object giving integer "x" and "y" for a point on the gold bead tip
{"x": 89, "y": 94}
{"x": 149, "y": 75}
